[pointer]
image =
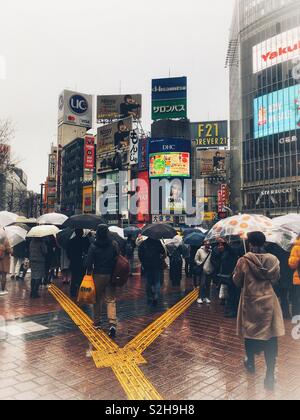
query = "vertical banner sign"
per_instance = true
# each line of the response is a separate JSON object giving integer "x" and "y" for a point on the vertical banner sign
{"x": 134, "y": 148}
{"x": 52, "y": 167}
{"x": 169, "y": 98}
{"x": 143, "y": 154}
{"x": 87, "y": 200}
{"x": 89, "y": 152}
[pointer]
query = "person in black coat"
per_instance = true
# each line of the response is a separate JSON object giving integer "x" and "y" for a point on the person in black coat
{"x": 224, "y": 259}
{"x": 152, "y": 256}
{"x": 101, "y": 261}
{"x": 284, "y": 289}
{"x": 77, "y": 250}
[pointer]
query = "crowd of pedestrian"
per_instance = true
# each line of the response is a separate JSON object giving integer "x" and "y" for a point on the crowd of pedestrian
{"x": 258, "y": 283}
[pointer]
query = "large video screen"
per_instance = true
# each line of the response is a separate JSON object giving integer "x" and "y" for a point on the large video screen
{"x": 277, "y": 112}
{"x": 169, "y": 165}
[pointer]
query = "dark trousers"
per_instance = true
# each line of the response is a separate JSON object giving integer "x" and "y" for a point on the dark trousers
{"x": 76, "y": 280}
{"x": 175, "y": 271}
{"x": 296, "y": 301}
{"x": 270, "y": 349}
{"x": 153, "y": 284}
{"x": 232, "y": 303}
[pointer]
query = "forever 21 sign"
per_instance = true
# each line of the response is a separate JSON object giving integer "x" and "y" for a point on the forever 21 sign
{"x": 210, "y": 134}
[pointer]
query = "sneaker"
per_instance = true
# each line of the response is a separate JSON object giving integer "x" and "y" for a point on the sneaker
{"x": 200, "y": 301}
{"x": 207, "y": 301}
{"x": 3, "y": 293}
{"x": 112, "y": 332}
{"x": 97, "y": 325}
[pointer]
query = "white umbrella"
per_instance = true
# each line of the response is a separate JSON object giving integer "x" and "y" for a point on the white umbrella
{"x": 43, "y": 231}
{"x": 7, "y": 218}
{"x": 290, "y": 222}
{"x": 52, "y": 219}
{"x": 118, "y": 230}
{"x": 24, "y": 220}
{"x": 15, "y": 235}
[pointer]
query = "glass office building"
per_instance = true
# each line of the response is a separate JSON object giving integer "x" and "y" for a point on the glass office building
{"x": 264, "y": 62}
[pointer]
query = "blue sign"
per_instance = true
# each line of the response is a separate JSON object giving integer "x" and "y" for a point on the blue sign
{"x": 78, "y": 104}
{"x": 168, "y": 89}
{"x": 277, "y": 112}
{"x": 169, "y": 145}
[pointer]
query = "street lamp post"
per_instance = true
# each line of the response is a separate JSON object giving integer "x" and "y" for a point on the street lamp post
{"x": 42, "y": 200}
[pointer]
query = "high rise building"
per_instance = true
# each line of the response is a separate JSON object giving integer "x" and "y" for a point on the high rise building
{"x": 264, "y": 61}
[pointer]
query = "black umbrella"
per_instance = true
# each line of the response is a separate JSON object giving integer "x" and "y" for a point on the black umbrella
{"x": 84, "y": 221}
{"x": 189, "y": 231}
{"x": 159, "y": 231}
{"x": 195, "y": 239}
{"x": 63, "y": 237}
{"x": 132, "y": 231}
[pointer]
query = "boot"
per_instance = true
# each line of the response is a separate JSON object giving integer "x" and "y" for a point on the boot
{"x": 36, "y": 289}
{"x": 32, "y": 288}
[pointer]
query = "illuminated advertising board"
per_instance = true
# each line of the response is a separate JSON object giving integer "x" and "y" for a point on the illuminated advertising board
{"x": 279, "y": 49}
{"x": 210, "y": 134}
{"x": 169, "y": 98}
{"x": 89, "y": 152}
{"x": 115, "y": 107}
{"x": 169, "y": 158}
{"x": 277, "y": 112}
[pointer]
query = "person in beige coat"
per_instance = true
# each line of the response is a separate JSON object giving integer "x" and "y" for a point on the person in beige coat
{"x": 5, "y": 253}
{"x": 260, "y": 319}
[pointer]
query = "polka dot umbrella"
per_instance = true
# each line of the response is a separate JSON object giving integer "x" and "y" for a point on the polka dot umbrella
{"x": 243, "y": 224}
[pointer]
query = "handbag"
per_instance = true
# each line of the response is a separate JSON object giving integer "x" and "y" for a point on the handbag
{"x": 87, "y": 291}
{"x": 121, "y": 272}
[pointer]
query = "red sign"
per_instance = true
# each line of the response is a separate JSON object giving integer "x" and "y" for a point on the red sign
{"x": 144, "y": 197}
{"x": 89, "y": 152}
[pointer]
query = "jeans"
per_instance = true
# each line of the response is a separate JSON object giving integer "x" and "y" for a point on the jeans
{"x": 105, "y": 292}
{"x": 296, "y": 301}
{"x": 154, "y": 279}
{"x": 232, "y": 303}
{"x": 205, "y": 286}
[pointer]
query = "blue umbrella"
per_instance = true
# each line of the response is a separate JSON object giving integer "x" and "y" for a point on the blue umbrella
{"x": 131, "y": 231}
{"x": 195, "y": 239}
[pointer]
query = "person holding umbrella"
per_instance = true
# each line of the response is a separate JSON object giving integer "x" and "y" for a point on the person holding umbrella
{"x": 37, "y": 257}
{"x": 205, "y": 270}
{"x": 260, "y": 320}
{"x": 77, "y": 250}
{"x": 101, "y": 261}
{"x": 5, "y": 253}
{"x": 152, "y": 255}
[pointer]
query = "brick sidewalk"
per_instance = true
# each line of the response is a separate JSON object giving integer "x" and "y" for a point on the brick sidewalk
{"x": 44, "y": 356}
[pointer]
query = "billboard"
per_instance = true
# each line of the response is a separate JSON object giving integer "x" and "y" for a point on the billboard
{"x": 89, "y": 152}
{"x": 212, "y": 162}
{"x": 115, "y": 107}
{"x": 175, "y": 197}
{"x": 279, "y": 49}
{"x": 75, "y": 109}
{"x": 210, "y": 134}
{"x": 277, "y": 112}
{"x": 87, "y": 204}
{"x": 169, "y": 98}
{"x": 144, "y": 198}
{"x": 52, "y": 167}
{"x": 169, "y": 158}
{"x": 115, "y": 135}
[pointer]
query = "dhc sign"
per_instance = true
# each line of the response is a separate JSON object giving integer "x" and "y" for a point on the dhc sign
{"x": 78, "y": 104}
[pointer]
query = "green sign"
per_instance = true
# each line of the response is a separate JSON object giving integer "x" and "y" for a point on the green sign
{"x": 169, "y": 109}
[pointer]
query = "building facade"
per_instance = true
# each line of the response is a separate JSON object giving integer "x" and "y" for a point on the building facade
{"x": 263, "y": 55}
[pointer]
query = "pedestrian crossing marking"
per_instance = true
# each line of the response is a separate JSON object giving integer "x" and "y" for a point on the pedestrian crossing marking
{"x": 124, "y": 361}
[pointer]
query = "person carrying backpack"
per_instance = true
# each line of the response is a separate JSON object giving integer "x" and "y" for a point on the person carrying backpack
{"x": 101, "y": 261}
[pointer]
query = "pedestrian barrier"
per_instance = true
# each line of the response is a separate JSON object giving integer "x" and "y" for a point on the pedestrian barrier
{"x": 124, "y": 362}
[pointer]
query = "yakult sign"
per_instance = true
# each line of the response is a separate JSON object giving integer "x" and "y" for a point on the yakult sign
{"x": 276, "y": 50}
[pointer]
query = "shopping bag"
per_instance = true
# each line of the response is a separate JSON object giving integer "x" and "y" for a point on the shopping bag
{"x": 87, "y": 291}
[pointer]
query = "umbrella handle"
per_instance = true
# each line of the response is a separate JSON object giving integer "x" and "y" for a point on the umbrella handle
{"x": 245, "y": 248}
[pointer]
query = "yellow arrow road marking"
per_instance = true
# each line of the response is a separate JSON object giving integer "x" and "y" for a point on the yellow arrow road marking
{"x": 124, "y": 362}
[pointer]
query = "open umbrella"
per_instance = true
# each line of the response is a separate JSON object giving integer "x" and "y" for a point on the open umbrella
{"x": 289, "y": 222}
{"x": 7, "y": 218}
{"x": 118, "y": 230}
{"x": 84, "y": 221}
{"x": 132, "y": 231}
{"x": 195, "y": 239}
{"x": 43, "y": 231}
{"x": 26, "y": 221}
{"x": 52, "y": 219}
{"x": 15, "y": 235}
{"x": 159, "y": 231}
{"x": 22, "y": 226}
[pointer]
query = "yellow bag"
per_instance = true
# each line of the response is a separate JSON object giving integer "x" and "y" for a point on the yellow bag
{"x": 87, "y": 291}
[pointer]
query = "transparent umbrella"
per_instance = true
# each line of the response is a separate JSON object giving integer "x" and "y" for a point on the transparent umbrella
{"x": 15, "y": 235}
{"x": 7, "y": 218}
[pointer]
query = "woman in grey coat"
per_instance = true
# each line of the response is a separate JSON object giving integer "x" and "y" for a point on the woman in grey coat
{"x": 37, "y": 257}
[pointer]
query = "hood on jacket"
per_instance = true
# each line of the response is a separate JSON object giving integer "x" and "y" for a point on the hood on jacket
{"x": 263, "y": 266}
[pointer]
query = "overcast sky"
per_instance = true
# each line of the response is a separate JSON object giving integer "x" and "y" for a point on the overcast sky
{"x": 94, "y": 46}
